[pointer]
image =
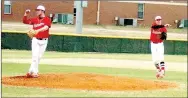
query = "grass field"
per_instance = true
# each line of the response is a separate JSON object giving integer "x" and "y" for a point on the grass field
{"x": 27, "y": 54}
{"x": 13, "y": 69}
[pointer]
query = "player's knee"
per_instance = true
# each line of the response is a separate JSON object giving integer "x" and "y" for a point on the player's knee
{"x": 35, "y": 59}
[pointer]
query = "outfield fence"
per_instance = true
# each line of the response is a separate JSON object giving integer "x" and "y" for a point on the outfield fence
{"x": 87, "y": 43}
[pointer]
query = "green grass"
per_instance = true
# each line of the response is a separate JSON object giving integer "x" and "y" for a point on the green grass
{"x": 12, "y": 69}
{"x": 44, "y": 92}
{"x": 27, "y": 54}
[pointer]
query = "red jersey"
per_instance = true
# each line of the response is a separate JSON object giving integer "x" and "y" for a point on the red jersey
{"x": 155, "y": 37}
{"x": 37, "y": 24}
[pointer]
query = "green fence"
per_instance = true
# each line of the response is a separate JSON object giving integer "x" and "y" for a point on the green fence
{"x": 68, "y": 43}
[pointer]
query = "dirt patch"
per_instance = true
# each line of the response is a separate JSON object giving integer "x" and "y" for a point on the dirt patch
{"x": 87, "y": 81}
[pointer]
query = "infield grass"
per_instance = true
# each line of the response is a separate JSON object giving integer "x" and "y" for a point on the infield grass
{"x": 14, "y": 69}
{"x": 127, "y": 56}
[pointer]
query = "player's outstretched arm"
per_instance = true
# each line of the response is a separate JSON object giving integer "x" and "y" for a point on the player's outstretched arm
{"x": 25, "y": 20}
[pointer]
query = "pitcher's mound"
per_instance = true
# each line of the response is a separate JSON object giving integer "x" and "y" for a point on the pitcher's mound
{"x": 87, "y": 81}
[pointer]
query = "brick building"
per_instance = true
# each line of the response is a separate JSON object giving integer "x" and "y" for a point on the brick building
{"x": 103, "y": 11}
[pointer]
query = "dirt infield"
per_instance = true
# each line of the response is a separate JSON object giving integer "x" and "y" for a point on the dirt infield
{"x": 87, "y": 81}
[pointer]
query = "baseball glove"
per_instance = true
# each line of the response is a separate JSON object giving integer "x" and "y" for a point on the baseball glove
{"x": 163, "y": 36}
{"x": 31, "y": 33}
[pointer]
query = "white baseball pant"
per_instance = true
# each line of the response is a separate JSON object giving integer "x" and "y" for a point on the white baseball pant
{"x": 38, "y": 49}
{"x": 157, "y": 51}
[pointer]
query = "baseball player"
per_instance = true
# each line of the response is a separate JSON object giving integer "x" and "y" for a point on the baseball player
{"x": 39, "y": 35}
{"x": 158, "y": 35}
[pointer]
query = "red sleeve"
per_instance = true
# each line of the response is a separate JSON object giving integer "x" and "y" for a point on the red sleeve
{"x": 27, "y": 21}
{"x": 48, "y": 22}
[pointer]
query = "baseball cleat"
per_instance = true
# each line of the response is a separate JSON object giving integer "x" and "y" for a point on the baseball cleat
{"x": 159, "y": 75}
{"x": 32, "y": 75}
{"x": 162, "y": 75}
{"x": 158, "y": 72}
{"x": 35, "y": 75}
{"x": 28, "y": 75}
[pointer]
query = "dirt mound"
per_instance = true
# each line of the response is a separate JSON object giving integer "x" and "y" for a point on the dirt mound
{"x": 87, "y": 81}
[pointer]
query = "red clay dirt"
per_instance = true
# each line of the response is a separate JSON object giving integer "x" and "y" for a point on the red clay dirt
{"x": 87, "y": 81}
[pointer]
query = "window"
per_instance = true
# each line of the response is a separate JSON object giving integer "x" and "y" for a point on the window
{"x": 140, "y": 10}
{"x": 7, "y": 7}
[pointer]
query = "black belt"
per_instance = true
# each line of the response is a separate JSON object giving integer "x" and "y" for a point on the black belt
{"x": 156, "y": 42}
{"x": 42, "y": 38}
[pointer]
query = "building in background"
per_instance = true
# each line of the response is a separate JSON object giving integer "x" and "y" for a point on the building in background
{"x": 136, "y": 13}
